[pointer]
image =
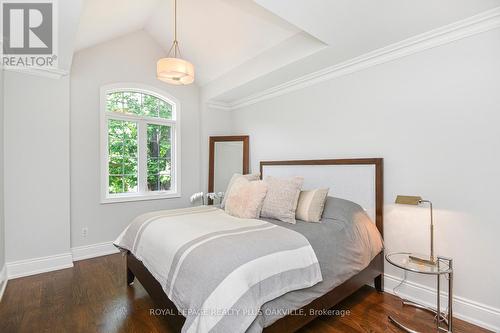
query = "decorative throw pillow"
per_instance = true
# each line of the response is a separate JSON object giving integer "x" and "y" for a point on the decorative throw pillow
{"x": 281, "y": 199}
{"x": 245, "y": 198}
{"x": 250, "y": 177}
{"x": 311, "y": 204}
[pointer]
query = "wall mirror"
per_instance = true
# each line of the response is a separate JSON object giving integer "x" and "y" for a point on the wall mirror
{"x": 228, "y": 155}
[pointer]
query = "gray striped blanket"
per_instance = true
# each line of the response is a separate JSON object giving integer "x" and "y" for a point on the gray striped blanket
{"x": 217, "y": 269}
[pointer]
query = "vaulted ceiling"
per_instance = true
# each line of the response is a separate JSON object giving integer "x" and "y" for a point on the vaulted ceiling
{"x": 234, "y": 43}
{"x": 216, "y": 35}
{"x": 102, "y": 20}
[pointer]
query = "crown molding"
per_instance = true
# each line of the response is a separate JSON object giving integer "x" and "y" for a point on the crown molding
{"x": 51, "y": 73}
{"x": 470, "y": 26}
{"x": 219, "y": 105}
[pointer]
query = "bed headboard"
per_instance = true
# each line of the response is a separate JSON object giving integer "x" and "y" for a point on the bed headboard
{"x": 359, "y": 180}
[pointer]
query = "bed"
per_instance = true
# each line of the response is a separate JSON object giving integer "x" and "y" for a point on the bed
{"x": 345, "y": 267}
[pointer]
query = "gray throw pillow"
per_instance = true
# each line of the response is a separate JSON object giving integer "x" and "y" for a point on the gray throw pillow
{"x": 282, "y": 197}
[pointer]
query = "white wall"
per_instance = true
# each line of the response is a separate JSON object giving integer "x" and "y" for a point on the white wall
{"x": 127, "y": 59}
{"x": 36, "y": 166}
{"x": 434, "y": 117}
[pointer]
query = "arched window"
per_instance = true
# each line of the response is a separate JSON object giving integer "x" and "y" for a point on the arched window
{"x": 140, "y": 149}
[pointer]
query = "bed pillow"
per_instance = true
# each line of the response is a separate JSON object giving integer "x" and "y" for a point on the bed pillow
{"x": 311, "y": 204}
{"x": 245, "y": 198}
{"x": 281, "y": 199}
{"x": 250, "y": 177}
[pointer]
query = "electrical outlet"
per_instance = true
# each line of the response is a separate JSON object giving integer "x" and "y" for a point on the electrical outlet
{"x": 85, "y": 232}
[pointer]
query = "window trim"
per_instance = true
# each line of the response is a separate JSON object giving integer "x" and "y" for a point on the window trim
{"x": 175, "y": 124}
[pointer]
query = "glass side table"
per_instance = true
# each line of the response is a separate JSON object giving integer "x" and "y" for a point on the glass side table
{"x": 443, "y": 266}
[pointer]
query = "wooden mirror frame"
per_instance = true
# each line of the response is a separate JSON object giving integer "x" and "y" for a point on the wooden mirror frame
{"x": 211, "y": 163}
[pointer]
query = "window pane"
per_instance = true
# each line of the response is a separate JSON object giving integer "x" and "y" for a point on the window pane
{"x": 130, "y": 147}
{"x": 159, "y": 141}
{"x": 138, "y": 104}
{"x": 114, "y": 102}
{"x": 122, "y": 162}
{"x": 165, "y": 183}
{"x": 130, "y": 183}
{"x": 150, "y": 106}
{"x": 165, "y": 142}
{"x": 129, "y": 166}
{"x": 115, "y": 184}
{"x": 115, "y": 165}
{"x": 115, "y": 130}
{"x": 159, "y": 157}
{"x": 153, "y": 184}
{"x": 132, "y": 103}
{"x": 165, "y": 110}
{"x": 153, "y": 149}
{"x": 129, "y": 130}
{"x": 114, "y": 145}
{"x": 154, "y": 139}
{"x": 162, "y": 165}
{"x": 153, "y": 166}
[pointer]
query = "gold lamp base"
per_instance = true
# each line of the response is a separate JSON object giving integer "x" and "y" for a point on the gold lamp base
{"x": 415, "y": 200}
{"x": 425, "y": 261}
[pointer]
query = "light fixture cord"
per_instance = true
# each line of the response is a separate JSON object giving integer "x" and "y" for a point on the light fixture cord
{"x": 175, "y": 44}
{"x": 175, "y": 28}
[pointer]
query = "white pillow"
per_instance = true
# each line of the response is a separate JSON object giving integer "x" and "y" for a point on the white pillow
{"x": 245, "y": 198}
{"x": 281, "y": 199}
{"x": 311, "y": 205}
{"x": 250, "y": 177}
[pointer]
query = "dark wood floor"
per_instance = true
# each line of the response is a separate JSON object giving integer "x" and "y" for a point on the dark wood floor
{"x": 93, "y": 297}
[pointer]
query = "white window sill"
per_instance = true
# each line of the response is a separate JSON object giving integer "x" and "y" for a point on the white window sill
{"x": 139, "y": 197}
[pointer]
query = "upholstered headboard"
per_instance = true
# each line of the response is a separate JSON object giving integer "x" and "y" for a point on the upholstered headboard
{"x": 359, "y": 180}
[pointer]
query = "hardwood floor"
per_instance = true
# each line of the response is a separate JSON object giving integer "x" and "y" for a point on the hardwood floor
{"x": 93, "y": 297}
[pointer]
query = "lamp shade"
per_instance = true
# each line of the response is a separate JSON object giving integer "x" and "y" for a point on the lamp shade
{"x": 175, "y": 71}
{"x": 408, "y": 200}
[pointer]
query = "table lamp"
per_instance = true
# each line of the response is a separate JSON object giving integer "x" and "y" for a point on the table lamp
{"x": 415, "y": 200}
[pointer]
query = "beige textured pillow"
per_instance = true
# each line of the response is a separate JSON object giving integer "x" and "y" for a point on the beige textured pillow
{"x": 311, "y": 204}
{"x": 245, "y": 198}
{"x": 281, "y": 199}
{"x": 250, "y": 177}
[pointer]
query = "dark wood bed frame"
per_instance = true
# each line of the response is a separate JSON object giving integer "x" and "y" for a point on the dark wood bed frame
{"x": 291, "y": 323}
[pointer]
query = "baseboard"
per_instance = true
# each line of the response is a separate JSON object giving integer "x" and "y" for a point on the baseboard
{"x": 3, "y": 280}
{"x": 93, "y": 250}
{"x": 33, "y": 266}
{"x": 473, "y": 312}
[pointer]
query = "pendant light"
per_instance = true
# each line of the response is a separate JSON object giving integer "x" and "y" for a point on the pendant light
{"x": 173, "y": 69}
